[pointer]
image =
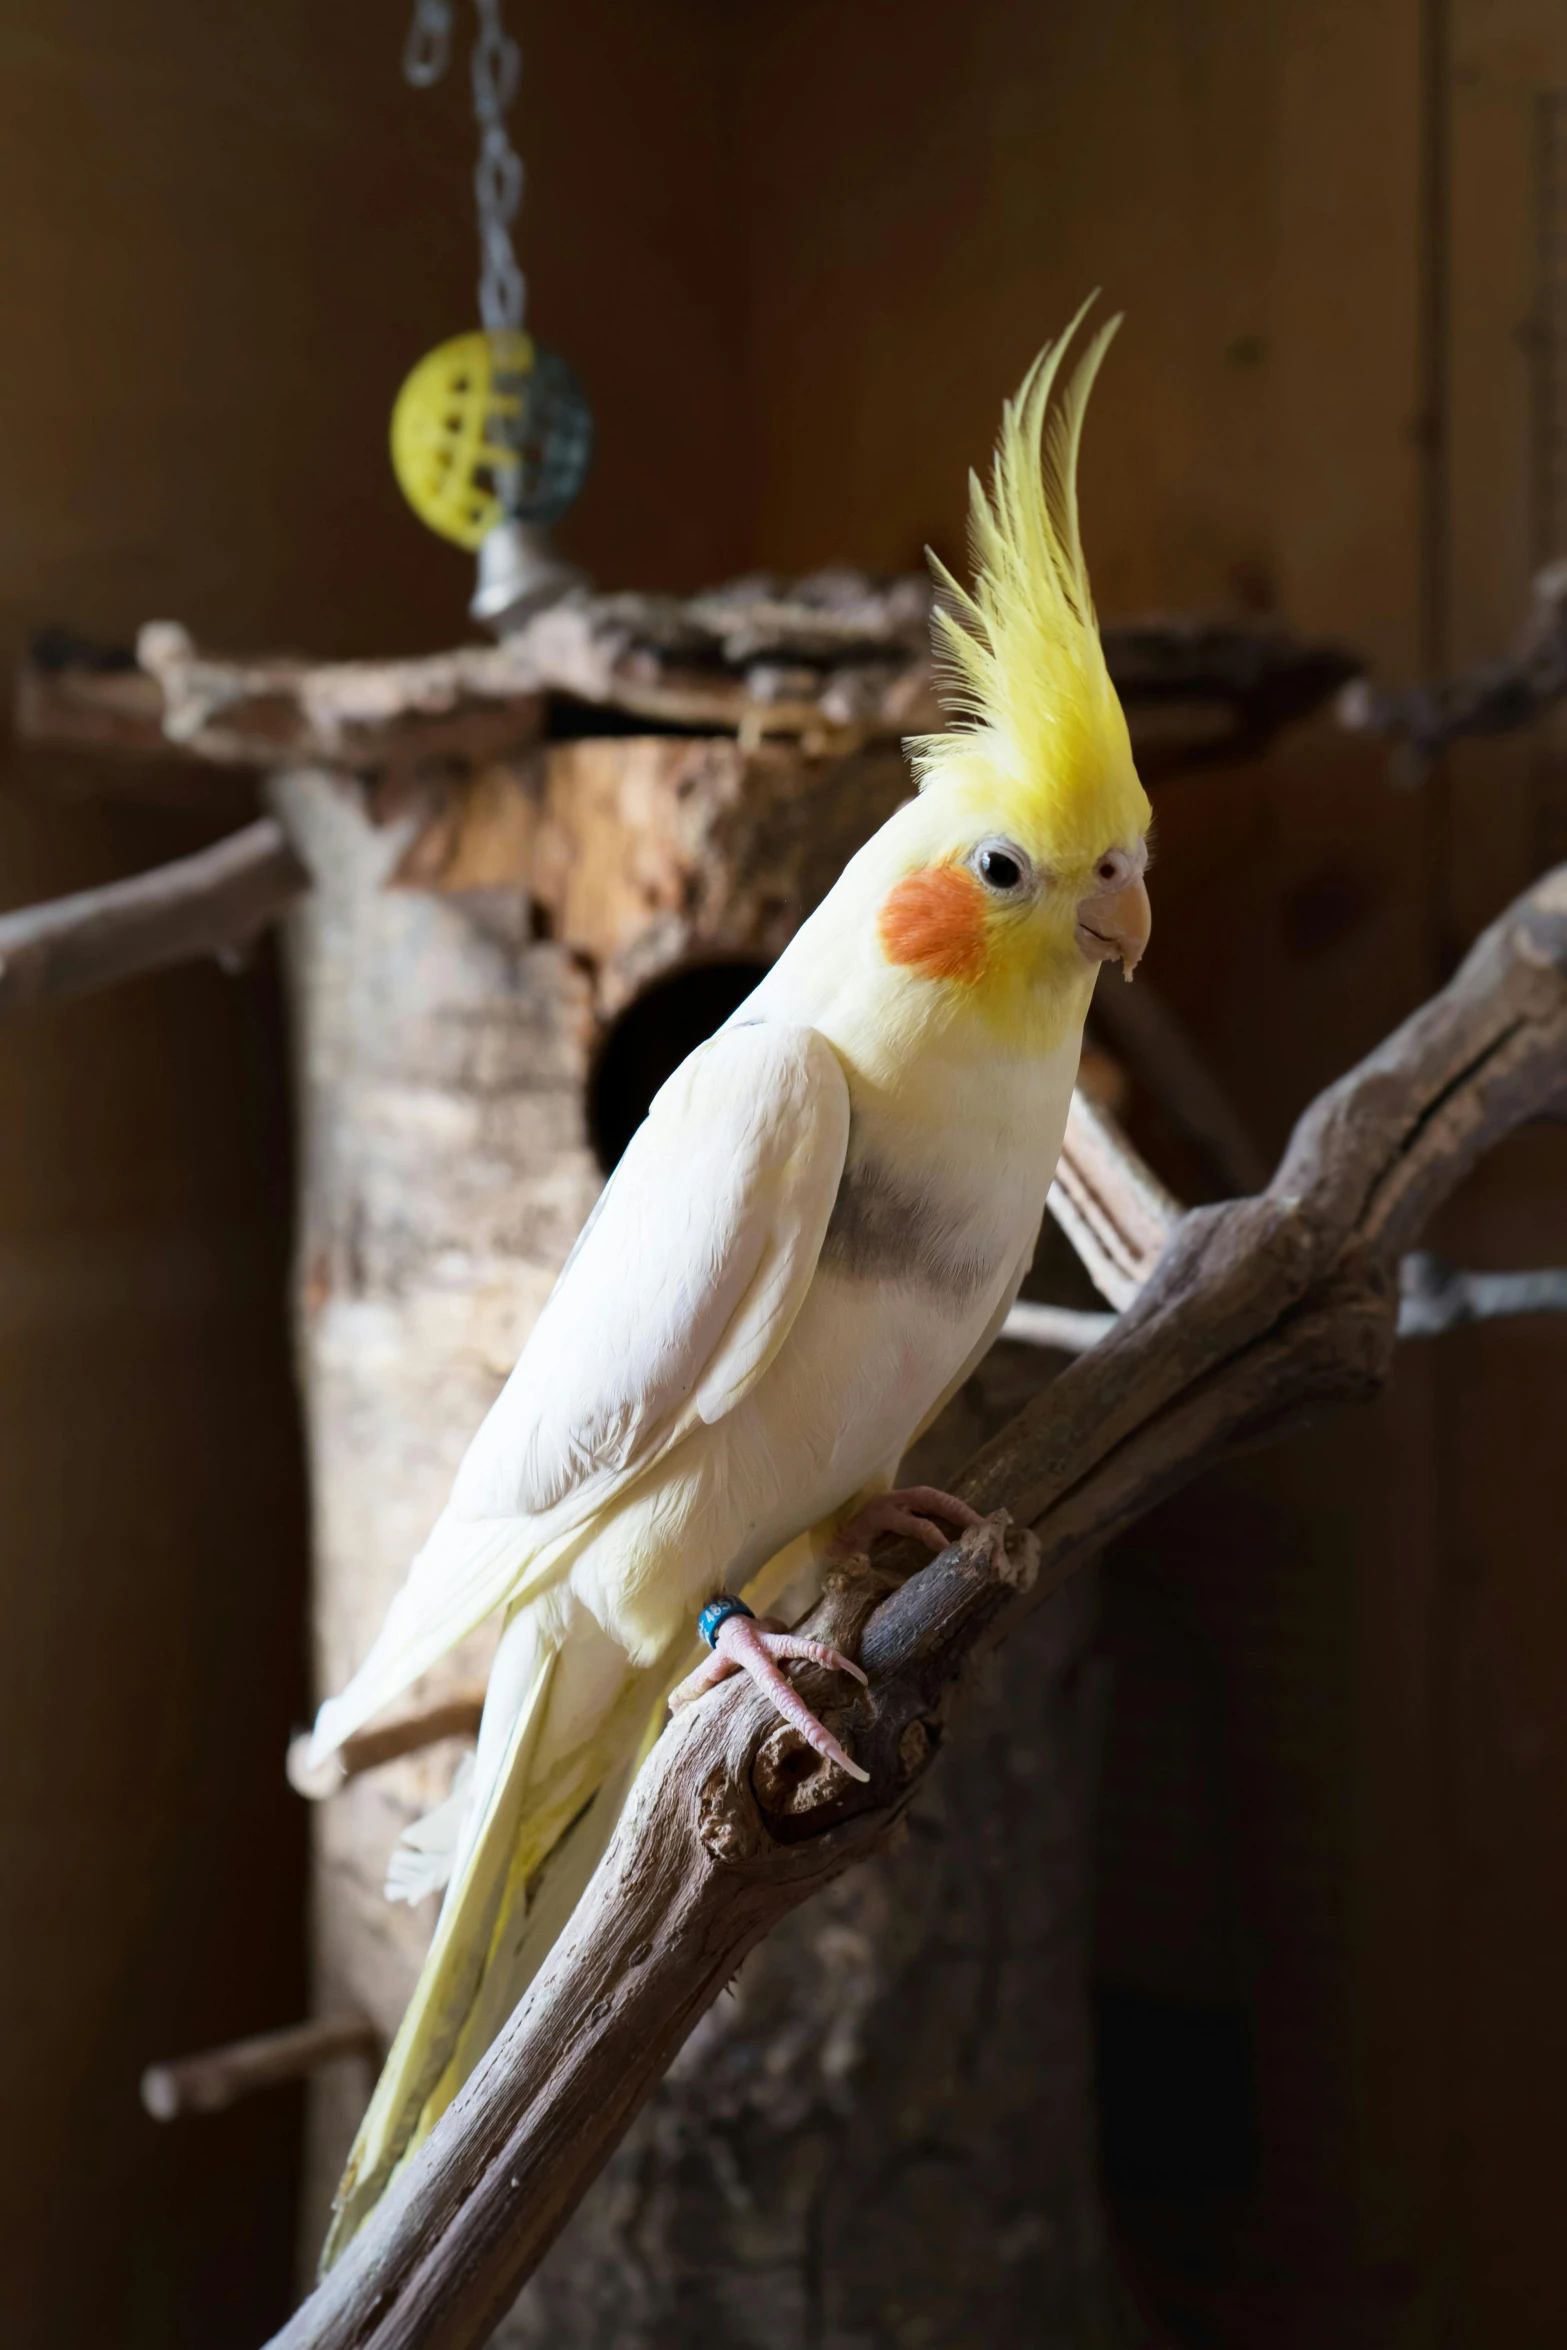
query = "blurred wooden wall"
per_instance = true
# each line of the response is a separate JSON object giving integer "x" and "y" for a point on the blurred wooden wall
{"x": 797, "y": 255}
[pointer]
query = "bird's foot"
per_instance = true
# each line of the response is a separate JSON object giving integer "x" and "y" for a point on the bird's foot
{"x": 758, "y": 1645}
{"x": 912, "y": 1509}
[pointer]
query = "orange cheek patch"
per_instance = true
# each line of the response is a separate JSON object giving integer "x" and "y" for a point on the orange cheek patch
{"x": 934, "y": 923}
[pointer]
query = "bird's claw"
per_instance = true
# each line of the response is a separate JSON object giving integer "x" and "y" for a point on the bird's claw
{"x": 758, "y": 1645}
{"x": 911, "y": 1509}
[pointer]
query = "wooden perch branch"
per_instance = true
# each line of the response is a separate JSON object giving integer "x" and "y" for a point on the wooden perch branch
{"x": 214, "y": 903}
{"x": 219, "y": 2077}
{"x": 840, "y": 672}
{"x": 456, "y": 1716}
{"x": 1259, "y": 1313}
{"x": 835, "y": 660}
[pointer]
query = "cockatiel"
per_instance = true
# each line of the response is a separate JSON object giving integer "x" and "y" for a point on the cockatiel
{"x": 810, "y": 1243}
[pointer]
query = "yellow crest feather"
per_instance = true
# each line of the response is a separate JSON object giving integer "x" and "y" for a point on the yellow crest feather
{"x": 1019, "y": 664}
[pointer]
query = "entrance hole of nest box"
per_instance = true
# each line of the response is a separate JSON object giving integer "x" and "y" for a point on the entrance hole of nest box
{"x": 651, "y": 1038}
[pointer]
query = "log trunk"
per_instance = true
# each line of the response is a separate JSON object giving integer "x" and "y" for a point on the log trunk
{"x": 445, "y": 1171}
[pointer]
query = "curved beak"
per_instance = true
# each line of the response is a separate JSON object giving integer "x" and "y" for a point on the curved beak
{"x": 1116, "y": 927}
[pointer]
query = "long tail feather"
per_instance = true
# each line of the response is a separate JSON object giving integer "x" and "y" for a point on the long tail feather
{"x": 446, "y": 1988}
{"x": 540, "y": 1817}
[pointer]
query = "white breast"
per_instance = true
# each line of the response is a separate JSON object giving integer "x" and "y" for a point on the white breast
{"x": 935, "y": 1224}
{"x": 923, "y": 1264}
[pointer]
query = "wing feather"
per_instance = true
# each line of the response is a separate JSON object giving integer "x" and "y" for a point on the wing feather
{"x": 699, "y": 1254}
{"x": 678, "y": 1294}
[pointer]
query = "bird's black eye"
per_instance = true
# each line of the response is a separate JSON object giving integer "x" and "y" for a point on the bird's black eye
{"x": 999, "y": 867}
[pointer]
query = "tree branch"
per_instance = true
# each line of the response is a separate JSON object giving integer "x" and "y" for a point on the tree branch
{"x": 214, "y": 903}
{"x": 1493, "y": 697}
{"x": 1259, "y": 1313}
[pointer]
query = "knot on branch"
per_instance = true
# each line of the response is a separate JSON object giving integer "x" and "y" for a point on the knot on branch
{"x": 852, "y": 1590}
{"x": 800, "y": 1792}
{"x": 999, "y": 1552}
{"x": 792, "y": 1781}
{"x": 725, "y": 1820}
{"x": 1346, "y": 1327}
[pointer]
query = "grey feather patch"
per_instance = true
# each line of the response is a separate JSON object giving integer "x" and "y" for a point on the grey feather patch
{"x": 884, "y": 1230}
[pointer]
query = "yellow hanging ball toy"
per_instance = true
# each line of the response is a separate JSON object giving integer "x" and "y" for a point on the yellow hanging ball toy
{"x": 488, "y": 428}
{"x": 492, "y": 435}
{"x": 449, "y": 425}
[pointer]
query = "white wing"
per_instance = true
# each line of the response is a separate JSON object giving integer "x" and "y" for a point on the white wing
{"x": 684, "y": 1282}
{"x": 681, "y": 1289}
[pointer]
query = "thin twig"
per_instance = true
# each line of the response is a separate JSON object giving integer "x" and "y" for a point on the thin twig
{"x": 1064, "y": 1329}
{"x": 1433, "y": 1298}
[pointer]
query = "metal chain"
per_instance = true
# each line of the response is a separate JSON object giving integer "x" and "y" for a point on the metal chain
{"x": 428, "y": 49}
{"x": 497, "y": 175}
